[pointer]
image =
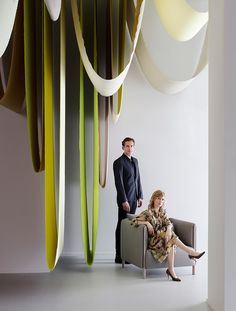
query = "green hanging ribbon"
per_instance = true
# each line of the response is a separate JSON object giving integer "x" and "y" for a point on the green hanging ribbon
{"x": 89, "y": 253}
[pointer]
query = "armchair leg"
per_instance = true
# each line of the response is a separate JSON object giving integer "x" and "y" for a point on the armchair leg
{"x": 193, "y": 270}
{"x": 144, "y": 273}
{"x": 123, "y": 263}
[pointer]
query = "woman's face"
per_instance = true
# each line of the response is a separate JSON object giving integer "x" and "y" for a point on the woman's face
{"x": 159, "y": 202}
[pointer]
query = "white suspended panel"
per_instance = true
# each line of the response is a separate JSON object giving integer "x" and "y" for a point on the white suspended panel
{"x": 169, "y": 65}
{"x": 54, "y": 8}
{"x": 7, "y": 17}
{"x": 180, "y": 20}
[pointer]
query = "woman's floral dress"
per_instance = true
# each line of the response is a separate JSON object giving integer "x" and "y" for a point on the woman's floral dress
{"x": 156, "y": 243}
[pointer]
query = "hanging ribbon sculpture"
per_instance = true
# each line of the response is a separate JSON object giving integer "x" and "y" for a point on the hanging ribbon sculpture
{"x": 32, "y": 18}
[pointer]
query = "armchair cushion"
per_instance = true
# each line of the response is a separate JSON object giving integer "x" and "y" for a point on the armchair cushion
{"x": 185, "y": 230}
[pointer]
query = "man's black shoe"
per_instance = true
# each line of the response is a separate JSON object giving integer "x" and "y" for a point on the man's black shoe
{"x": 119, "y": 260}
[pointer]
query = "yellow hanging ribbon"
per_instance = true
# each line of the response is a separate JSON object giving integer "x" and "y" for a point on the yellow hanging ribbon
{"x": 50, "y": 204}
{"x": 54, "y": 230}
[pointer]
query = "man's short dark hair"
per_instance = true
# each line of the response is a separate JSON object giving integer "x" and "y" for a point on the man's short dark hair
{"x": 127, "y": 139}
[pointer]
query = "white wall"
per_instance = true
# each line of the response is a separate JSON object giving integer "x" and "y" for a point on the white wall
{"x": 216, "y": 157}
{"x": 222, "y": 152}
{"x": 21, "y": 200}
{"x": 230, "y": 154}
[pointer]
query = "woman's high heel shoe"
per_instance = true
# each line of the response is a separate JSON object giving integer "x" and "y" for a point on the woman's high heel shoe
{"x": 196, "y": 257}
{"x": 170, "y": 275}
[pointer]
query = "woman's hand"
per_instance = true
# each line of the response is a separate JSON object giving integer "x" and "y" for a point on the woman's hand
{"x": 150, "y": 228}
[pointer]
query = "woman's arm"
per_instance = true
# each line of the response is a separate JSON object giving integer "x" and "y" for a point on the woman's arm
{"x": 147, "y": 224}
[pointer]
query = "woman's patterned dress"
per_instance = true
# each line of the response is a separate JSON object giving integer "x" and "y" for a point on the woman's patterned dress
{"x": 156, "y": 243}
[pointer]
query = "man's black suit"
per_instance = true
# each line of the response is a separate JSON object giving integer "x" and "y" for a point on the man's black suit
{"x": 128, "y": 186}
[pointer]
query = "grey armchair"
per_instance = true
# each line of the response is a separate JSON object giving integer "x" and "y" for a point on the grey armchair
{"x": 134, "y": 242}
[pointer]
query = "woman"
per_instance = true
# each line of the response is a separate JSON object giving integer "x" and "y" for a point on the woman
{"x": 162, "y": 239}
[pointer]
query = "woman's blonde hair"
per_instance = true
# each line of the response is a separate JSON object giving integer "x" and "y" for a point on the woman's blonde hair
{"x": 156, "y": 194}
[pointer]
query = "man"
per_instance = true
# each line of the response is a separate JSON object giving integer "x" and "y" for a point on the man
{"x": 128, "y": 187}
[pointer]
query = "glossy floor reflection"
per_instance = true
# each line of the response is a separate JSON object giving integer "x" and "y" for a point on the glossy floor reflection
{"x": 105, "y": 286}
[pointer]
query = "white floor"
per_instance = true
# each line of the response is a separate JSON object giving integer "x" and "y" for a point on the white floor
{"x": 104, "y": 286}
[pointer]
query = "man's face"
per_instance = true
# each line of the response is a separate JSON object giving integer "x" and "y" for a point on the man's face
{"x": 128, "y": 148}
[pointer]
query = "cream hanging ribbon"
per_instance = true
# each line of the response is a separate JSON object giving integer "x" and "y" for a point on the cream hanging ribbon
{"x": 54, "y": 8}
{"x": 2, "y": 79}
{"x": 54, "y": 228}
{"x": 179, "y": 19}
{"x": 154, "y": 75}
{"x": 116, "y": 99}
{"x": 111, "y": 61}
{"x": 103, "y": 169}
{"x": 7, "y": 18}
{"x": 13, "y": 95}
{"x": 62, "y": 133}
{"x": 122, "y": 28}
{"x": 104, "y": 106}
{"x": 89, "y": 252}
{"x": 104, "y": 86}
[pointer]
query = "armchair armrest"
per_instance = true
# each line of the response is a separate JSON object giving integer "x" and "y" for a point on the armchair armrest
{"x": 134, "y": 242}
{"x": 186, "y": 231}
